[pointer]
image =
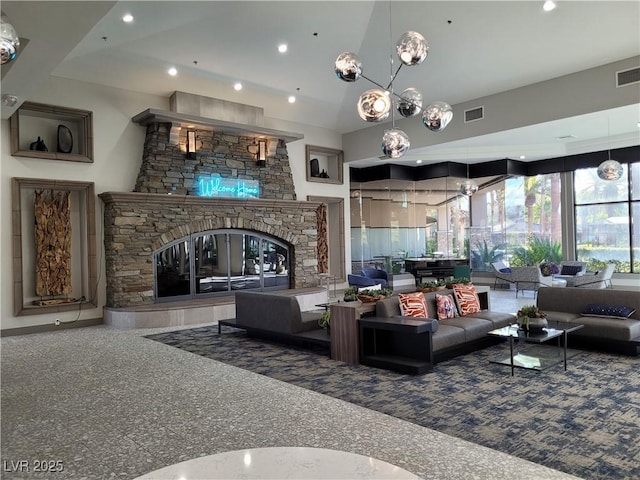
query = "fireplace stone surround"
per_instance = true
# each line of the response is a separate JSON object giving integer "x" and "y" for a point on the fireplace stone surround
{"x": 164, "y": 205}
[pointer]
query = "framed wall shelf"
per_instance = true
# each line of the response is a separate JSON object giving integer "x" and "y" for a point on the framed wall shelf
{"x": 66, "y": 132}
{"x": 324, "y": 165}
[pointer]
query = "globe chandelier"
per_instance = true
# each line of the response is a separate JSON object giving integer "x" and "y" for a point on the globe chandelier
{"x": 610, "y": 170}
{"x": 9, "y": 41}
{"x": 376, "y": 104}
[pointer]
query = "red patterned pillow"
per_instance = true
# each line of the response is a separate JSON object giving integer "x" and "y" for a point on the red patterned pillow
{"x": 467, "y": 298}
{"x": 446, "y": 306}
{"x": 413, "y": 304}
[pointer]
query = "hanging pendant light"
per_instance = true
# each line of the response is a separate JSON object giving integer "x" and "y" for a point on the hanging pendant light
{"x": 395, "y": 143}
{"x": 610, "y": 170}
{"x": 9, "y": 41}
{"x": 375, "y": 105}
{"x": 469, "y": 186}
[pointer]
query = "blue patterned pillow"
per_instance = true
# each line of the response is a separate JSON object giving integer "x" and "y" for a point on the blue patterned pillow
{"x": 600, "y": 310}
{"x": 570, "y": 269}
{"x": 505, "y": 270}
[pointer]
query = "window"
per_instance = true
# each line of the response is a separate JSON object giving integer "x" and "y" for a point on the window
{"x": 603, "y": 210}
{"x": 221, "y": 261}
{"x": 518, "y": 221}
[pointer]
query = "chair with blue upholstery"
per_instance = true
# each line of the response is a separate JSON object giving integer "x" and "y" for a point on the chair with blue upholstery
{"x": 376, "y": 274}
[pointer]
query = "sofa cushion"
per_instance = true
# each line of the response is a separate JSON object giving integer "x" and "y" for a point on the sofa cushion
{"x": 613, "y": 311}
{"x": 562, "y": 317}
{"x": 447, "y": 336}
{"x": 413, "y": 304}
{"x": 607, "y": 327}
{"x": 446, "y": 307}
{"x": 466, "y": 298}
{"x": 474, "y": 328}
{"x": 499, "y": 319}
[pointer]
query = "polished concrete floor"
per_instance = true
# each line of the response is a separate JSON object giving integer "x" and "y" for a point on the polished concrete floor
{"x": 101, "y": 403}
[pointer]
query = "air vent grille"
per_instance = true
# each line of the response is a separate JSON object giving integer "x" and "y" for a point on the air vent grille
{"x": 473, "y": 114}
{"x": 627, "y": 77}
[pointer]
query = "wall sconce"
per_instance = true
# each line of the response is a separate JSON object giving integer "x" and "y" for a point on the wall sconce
{"x": 191, "y": 144}
{"x": 261, "y": 156}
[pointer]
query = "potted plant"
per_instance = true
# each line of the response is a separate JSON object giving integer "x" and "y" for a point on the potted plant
{"x": 531, "y": 319}
{"x": 350, "y": 294}
{"x": 325, "y": 321}
{"x": 458, "y": 280}
{"x": 368, "y": 295}
{"x": 431, "y": 286}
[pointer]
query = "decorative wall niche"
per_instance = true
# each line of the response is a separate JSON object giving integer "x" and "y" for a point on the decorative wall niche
{"x": 66, "y": 132}
{"x": 83, "y": 245}
{"x": 324, "y": 164}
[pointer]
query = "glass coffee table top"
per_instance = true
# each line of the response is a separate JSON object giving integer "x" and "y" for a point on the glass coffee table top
{"x": 535, "y": 357}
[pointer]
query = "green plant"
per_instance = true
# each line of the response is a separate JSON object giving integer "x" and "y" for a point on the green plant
{"x": 325, "y": 319}
{"x": 350, "y": 294}
{"x": 483, "y": 255}
{"x": 536, "y": 251}
{"x": 433, "y": 284}
{"x": 530, "y": 311}
{"x": 462, "y": 280}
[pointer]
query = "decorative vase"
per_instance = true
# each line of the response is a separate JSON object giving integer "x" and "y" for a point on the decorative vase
{"x": 537, "y": 324}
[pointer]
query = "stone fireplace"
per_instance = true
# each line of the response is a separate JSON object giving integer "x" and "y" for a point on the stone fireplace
{"x": 166, "y": 204}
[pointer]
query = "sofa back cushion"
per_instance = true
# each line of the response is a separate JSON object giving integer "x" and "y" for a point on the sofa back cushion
{"x": 268, "y": 311}
{"x": 575, "y": 300}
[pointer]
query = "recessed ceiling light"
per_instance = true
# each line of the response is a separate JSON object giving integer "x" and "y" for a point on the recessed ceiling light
{"x": 172, "y": 71}
{"x": 418, "y": 162}
{"x": 292, "y": 99}
{"x": 522, "y": 157}
{"x": 127, "y": 18}
{"x": 237, "y": 86}
{"x": 549, "y": 5}
{"x": 282, "y": 47}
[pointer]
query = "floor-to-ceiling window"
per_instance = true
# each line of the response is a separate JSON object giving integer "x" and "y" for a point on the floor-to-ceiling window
{"x": 220, "y": 261}
{"x": 518, "y": 221}
{"x": 607, "y": 214}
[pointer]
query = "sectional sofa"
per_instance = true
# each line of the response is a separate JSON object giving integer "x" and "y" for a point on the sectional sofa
{"x": 606, "y": 326}
{"x": 453, "y": 336}
{"x": 276, "y": 316}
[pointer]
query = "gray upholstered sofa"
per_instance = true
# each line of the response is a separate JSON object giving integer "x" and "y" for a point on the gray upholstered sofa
{"x": 277, "y": 316}
{"x": 565, "y": 306}
{"x": 453, "y": 336}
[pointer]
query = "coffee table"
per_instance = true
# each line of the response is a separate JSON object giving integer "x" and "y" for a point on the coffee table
{"x": 540, "y": 360}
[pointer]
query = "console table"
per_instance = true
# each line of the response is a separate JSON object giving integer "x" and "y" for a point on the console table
{"x": 400, "y": 344}
{"x": 344, "y": 330}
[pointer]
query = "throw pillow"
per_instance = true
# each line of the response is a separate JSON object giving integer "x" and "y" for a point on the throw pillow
{"x": 505, "y": 270}
{"x": 446, "y": 306}
{"x": 616, "y": 311}
{"x": 570, "y": 269}
{"x": 467, "y": 298}
{"x": 413, "y": 304}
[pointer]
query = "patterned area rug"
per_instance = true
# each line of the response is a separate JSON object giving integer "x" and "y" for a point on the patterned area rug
{"x": 585, "y": 421}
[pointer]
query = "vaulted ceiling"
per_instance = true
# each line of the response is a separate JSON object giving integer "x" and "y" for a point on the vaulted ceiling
{"x": 477, "y": 49}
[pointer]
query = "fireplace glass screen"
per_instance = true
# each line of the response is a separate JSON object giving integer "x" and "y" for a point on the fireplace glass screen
{"x": 221, "y": 261}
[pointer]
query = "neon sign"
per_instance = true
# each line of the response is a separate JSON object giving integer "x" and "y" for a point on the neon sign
{"x": 216, "y": 187}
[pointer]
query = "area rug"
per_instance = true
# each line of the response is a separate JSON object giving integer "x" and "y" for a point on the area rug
{"x": 585, "y": 421}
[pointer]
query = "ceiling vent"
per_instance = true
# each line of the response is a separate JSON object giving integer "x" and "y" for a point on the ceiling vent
{"x": 473, "y": 114}
{"x": 627, "y": 77}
